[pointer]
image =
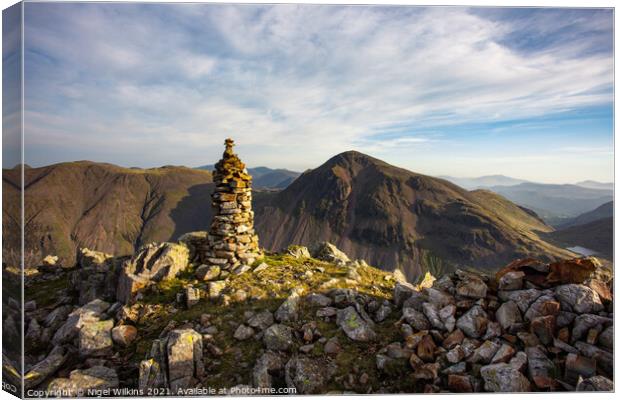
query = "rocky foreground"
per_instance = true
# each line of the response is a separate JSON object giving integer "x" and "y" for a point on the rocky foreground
{"x": 312, "y": 321}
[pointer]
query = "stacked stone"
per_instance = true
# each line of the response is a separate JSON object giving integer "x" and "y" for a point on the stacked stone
{"x": 232, "y": 242}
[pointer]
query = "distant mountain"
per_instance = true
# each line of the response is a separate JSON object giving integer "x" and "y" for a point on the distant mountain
{"x": 484, "y": 181}
{"x": 266, "y": 178}
{"x": 104, "y": 207}
{"x": 604, "y": 211}
{"x": 595, "y": 235}
{"x": 596, "y": 185}
{"x": 394, "y": 218}
{"x": 391, "y": 217}
{"x": 555, "y": 203}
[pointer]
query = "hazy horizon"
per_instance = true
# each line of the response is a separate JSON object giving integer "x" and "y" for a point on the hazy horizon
{"x": 455, "y": 91}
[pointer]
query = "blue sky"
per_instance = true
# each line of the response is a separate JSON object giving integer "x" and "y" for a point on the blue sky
{"x": 441, "y": 91}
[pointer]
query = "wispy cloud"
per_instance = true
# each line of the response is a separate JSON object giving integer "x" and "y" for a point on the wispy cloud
{"x": 164, "y": 80}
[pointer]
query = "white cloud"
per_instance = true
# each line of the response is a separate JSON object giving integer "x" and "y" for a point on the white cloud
{"x": 312, "y": 79}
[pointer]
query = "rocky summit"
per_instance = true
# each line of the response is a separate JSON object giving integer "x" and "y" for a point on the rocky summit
{"x": 314, "y": 321}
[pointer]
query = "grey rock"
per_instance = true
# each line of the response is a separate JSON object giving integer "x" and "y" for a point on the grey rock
{"x": 606, "y": 338}
{"x": 354, "y": 326}
{"x": 485, "y": 353}
{"x": 326, "y": 312}
{"x": 152, "y": 263}
{"x": 540, "y": 368}
{"x": 474, "y": 322}
{"x": 243, "y": 332}
{"x": 416, "y": 319}
{"x": 519, "y": 361}
{"x": 596, "y": 383}
{"x": 512, "y": 280}
{"x": 326, "y": 251}
{"x": 503, "y": 377}
{"x": 278, "y": 337}
{"x": 298, "y": 251}
{"x": 261, "y": 320}
{"x": 604, "y": 359}
{"x": 318, "y": 300}
{"x": 432, "y": 314}
{"x": 208, "y": 272}
{"x": 382, "y": 313}
{"x": 96, "y": 338}
{"x": 267, "y": 365}
{"x": 455, "y": 355}
{"x": 508, "y": 314}
{"x": 439, "y": 297}
{"x": 564, "y": 318}
{"x": 580, "y": 298}
{"x": 415, "y": 301}
{"x": 584, "y": 322}
{"x": 402, "y": 292}
{"x": 542, "y": 306}
{"x": 81, "y": 381}
{"x": 45, "y": 368}
{"x": 472, "y": 287}
{"x": 184, "y": 350}
{"x": 307, "y": 375}
{"x": 523, "y": 298}
{"x": 446, "y": 315}
{"x": 289, "y": 309}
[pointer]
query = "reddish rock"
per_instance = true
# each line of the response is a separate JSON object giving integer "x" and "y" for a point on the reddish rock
{"x": 577, "y": 366}
{"x": 601, "y": 289}
{"x": 426, "y": 348}
{"x": 564, "y": 334}
{"x": 543, "y": 328}
{"x": 459, "y": 384}
{"x": 504, "y": 354}
{"x": 453, "y": 339}
{"x": 571, "y": 271}
{"x": 592, "y": 336}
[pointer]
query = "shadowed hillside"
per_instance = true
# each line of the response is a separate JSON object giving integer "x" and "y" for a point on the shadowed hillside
{"x": 106, "y": 207}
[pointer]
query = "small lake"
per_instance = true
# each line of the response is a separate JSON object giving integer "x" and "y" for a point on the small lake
{"x": 582, "y": 250}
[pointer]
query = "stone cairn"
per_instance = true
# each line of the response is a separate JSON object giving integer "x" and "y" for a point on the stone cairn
{"x": 232, "y": 243}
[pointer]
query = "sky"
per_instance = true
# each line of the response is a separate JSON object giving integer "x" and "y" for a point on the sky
{"x": 441, "y": 91}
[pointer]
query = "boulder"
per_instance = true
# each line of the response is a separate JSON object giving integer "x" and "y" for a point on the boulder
{"x": 243, "y": 332}
{"x": 432, "y": 314}
{"x": 485, "y": 353}
{"x": 596, "y": 383}
{"x": 606, "y": 338}
{"x": 153, "y": 371}
{"x": 207, "y": 272}
{"x": 504, "y": 354}
{"x": 184, "y": 350}
{"x": 216, "y": 288}
{"x": 604, "y": 359}
{"x": 583, "y": 323}
{"x": 416, "y": 319}
{"x": 267, "y": 365}
{"x": 522, "y": 298}
{"x": 57, "y": 317}
{"x": 354, "y": 326}
{"x": 459, "y": 384}
{"x": 544, "y": 328}
{"x": 579, "y": 298}
{"x": 124, "y": 335}
{"x": 439, "y": 297}
{"x": 261, "y": 320}
{"x": 402, "y": 291}
{"x": 307, "y": 375}
{"x": 472, "y": 286}
{"x": 512, "y": 280}
{"x": 503, "y": 377}
{"x": 289, "y": 309}
{"x": 326, "y": 251}
{"x": 474, "y": 322}
{"x": 88, "y": 313}
{"x": 45, "y": 368}
{"x": 278, "y": 337}
{"x": 87, "y": 258}
{"x": 578, "y": 366}
{"x": 96, "y": 338}
{"x": 542, "y": 306}
{"x": 318, "y": 300}
{"x": 152, "y": 263}
{"x": 84, "y": 382}
{"x": 541, "y": 370}
{"x": 299, "y": 251}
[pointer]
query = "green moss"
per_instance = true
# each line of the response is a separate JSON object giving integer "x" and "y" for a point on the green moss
{"x": 48, "y": 292}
